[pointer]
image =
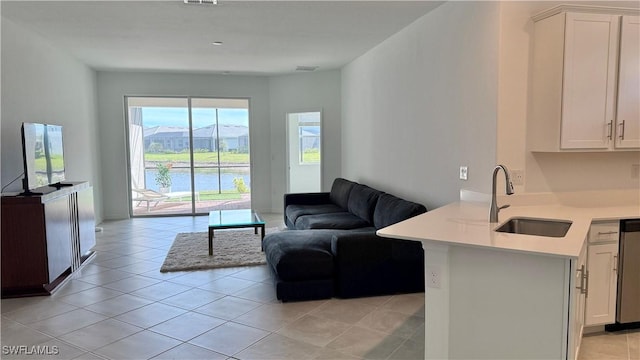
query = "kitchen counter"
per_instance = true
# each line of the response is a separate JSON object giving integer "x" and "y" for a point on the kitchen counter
{"x": 467, "y": 223}
{"x": 491, "y": 295}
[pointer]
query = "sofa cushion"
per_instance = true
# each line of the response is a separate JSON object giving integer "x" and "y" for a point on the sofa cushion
{"x": 390, "y": 210}
{"x": 340, "y": 191}
{"x": 342, "y": 220}
{"x": 293, "y": 212}
{"x": 299, "y": 255}
{"x": 362, "y": 201}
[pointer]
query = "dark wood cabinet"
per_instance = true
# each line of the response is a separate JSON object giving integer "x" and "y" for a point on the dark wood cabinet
{"x": 45, "y": 238}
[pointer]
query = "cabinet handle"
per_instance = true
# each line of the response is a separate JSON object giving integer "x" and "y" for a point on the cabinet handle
{"x": 607, "y": 232}
{"x": 622, "y": 130}
{"x": 586, "y": 287}
{"x": 615, "y": 263}
{"x": 610, "y": 126}
{"x": 581, "y": 287}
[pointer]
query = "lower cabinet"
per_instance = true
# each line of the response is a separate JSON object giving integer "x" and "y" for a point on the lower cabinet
{"x": 602, "y": 267}
{"x": 577, "y": 293}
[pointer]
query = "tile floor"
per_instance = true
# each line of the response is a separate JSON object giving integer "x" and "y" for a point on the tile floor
{"x": 621, "y": 345}
{"x": 119, "y": 306}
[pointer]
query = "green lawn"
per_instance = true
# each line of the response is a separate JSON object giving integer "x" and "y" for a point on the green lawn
{"x": 208, "y": 157}
{"x": 311, "y": 156}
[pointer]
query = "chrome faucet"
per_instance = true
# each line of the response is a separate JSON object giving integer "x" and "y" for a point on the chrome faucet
{"x": 493, "y": 212}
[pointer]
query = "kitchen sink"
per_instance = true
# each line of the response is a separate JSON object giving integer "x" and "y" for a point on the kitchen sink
{"x": 538, "y": 227}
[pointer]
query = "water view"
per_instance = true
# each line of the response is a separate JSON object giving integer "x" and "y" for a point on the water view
{"x": 204, "y": 180}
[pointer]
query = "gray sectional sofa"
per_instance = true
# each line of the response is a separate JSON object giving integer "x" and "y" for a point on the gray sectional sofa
{"x": 331, "y": 248}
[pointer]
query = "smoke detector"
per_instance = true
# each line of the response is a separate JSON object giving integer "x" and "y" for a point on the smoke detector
{"x": 201, "y": 2}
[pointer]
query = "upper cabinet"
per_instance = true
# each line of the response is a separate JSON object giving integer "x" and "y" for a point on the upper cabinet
{"x": 628, "y": 114}
{"x": 585, "y": 83}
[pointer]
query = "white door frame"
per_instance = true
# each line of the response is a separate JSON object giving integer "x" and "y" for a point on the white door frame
{"x": 287, "y": 147}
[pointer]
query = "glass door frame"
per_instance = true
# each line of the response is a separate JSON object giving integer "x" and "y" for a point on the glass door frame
{"x": 191, "y": 152}
{"x": 287, "y": 146}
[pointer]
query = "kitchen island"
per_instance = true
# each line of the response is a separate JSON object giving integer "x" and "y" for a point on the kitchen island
{"x": 492, "y": 295}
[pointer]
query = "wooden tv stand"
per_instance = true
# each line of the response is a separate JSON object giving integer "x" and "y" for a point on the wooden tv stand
{"x": 45, "y": 238}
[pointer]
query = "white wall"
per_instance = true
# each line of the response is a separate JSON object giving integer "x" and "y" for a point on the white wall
{"x": 317, "y": 91}
{"x": 551, "y": 172}
{"x": 41, "y": 83}
{"x": 113, "y": 86}
{"x": 423, "y": 103}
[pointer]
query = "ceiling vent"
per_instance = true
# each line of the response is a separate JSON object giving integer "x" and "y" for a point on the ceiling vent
{"x": 306, "y": 68}
{"x": 201, "y": 2}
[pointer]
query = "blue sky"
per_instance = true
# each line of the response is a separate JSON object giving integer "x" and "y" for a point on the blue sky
{"x": 156, "y": 116}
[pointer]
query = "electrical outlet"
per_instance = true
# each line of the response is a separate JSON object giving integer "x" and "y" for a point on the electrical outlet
{"x": 464, "y": 172}
{"x": 517, "y": 177}
{"x": 434, "y": 277}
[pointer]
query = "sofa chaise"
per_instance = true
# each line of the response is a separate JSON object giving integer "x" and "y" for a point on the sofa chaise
{"x": 330, "y": 247}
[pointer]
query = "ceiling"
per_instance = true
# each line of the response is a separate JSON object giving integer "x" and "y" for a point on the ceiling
{"x": 258, "y": 37}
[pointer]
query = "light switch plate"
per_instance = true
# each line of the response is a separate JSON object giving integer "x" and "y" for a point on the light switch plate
{"x": 464, "y": 173}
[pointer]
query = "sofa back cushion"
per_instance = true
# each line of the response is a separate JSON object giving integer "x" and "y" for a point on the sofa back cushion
{"x": 362, "y": 202}
{"x": 340, "y": 191}
{"x": 390, "y": 210}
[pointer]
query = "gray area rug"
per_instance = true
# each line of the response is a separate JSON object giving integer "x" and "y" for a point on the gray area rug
{"x": 190, "y": 251}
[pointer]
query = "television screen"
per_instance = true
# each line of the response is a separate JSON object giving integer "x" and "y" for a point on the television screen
{"x": 43, "y": 153}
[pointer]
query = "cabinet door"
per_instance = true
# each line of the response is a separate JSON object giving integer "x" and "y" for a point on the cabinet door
{"x": 577, "y": 290}
{"x": 589, "y": 81}
{"x": 628, "y": 114}
{"x": 602, "y": 263}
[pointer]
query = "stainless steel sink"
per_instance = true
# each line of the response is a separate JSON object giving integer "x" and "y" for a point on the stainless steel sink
{"x": 538, "y": 227}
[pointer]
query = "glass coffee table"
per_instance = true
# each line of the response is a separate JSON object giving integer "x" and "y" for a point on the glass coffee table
{"x": 232, "y": 219}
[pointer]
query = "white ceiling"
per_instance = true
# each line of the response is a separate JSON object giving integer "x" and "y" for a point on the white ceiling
{"x": 259, "y": 37}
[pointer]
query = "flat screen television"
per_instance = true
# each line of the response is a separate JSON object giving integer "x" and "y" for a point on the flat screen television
{"x": 43, "y": 156}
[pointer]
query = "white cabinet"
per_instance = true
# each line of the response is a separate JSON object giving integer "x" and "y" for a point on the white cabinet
{"x": 628, "y": 110}
{"x": 576, "y": 91}
{"x": 602, "y": 264}
{"x": 578, "y": 295}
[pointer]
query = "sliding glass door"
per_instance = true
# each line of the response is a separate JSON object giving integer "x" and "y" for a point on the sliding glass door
{"x": 188, "y": 155}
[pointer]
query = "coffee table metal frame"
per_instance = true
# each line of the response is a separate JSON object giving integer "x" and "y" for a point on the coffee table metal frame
{"x": 255, "y": 224}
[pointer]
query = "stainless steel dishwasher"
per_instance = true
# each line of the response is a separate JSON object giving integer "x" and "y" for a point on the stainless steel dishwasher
{"x": 628, "y": 307}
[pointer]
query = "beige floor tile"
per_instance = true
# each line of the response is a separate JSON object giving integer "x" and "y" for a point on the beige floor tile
{"x": 187, "y": 326}
{"x": 260, "y": 273}
{"x": 90, "y": 296}
{"x": 142, "y": 345}
{"x": 150, "y": 315}
{"x": 276, "y": 347}
{"x": 190, "y": 352}
{"x": 229, "y": 338}
{"x": 100, "y": 334}
{"x": 261, "y": 292}
{"x": 118, "y": 305}
{"x": 40, "y": 310}
{"x": 67, "y": 322}
{"x": 227, "y": 285}
{"x": 15, "y": 304}
{"x": 409, "y": 350}
{"x": 15, "y": 334}
{"x": 314, "y": 330}
{"x": 366, "y": 343}
{"x": 193, "y": 298}
{"x": 131, "y": 284}
{"x": 161, "y": 291}
{"x": 71, "y": 287}
{"x": 228, "y": 308}
{"x": 330, "y": 354}
{"x": 105, "y": 277}
{"x": 392, "y": 322}
{"x": 197, "y": 278}
{"x": 270, "y": 317}
{"x": 611, "y": 346}
{"x": 633, "y": 341}
{"x": 88, "y": 356}
{"x": 410, "y": 304}
{"x": 348, "y": 311}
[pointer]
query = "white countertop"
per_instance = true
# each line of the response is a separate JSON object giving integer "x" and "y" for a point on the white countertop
{"x": 467, "y": 224}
